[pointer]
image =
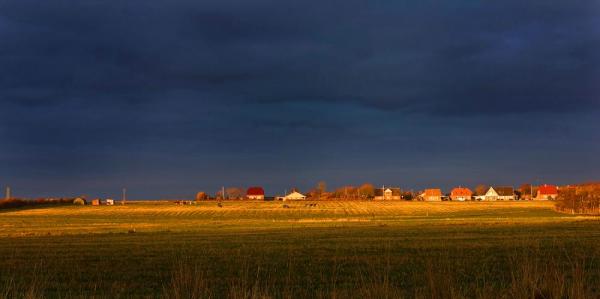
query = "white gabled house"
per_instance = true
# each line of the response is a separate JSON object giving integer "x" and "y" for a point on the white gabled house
{"x": 491, "y": 194}
{"x": 295, "y": 195}
{"x": 500, "y": 193}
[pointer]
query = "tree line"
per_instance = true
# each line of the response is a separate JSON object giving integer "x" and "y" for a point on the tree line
{"x": 580, "y": 199}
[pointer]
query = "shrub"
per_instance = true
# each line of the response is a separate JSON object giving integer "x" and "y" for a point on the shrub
{"x": 79, "y": 201}
{"x": 201, "y": 196}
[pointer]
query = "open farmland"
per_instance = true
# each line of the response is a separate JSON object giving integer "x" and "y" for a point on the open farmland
{"x": 334, "y": 249}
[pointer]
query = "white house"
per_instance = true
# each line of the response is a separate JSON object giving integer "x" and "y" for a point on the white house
{"x": 491, "y": 194}
{"x": 387, "y": 194}
{"x": 500, "y": 193}
{"x": 110, "y": 202}
{"x": 505, "y": 193}
{"x": 294, "y": 196}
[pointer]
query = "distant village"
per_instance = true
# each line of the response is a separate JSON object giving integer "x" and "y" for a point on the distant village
{"x": 369, "y": 192}
{"x": 580, "y": 198}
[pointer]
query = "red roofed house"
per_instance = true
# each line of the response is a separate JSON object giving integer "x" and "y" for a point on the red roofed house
{"x": 432, "y": 195}
{"x": 461, "y": 194}
{"x": 257, "y": 193}
{"x": 547, "y": 192}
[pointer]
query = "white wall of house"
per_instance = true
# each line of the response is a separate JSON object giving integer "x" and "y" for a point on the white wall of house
{"x": 433, "y": 198}
{"x": 461, "y": 198}
{"x": 546, "y": 197}
{"x": 491, "y": 194}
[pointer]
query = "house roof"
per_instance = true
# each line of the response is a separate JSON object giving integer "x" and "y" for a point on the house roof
{"x": 547, "y": 189}
{"x": 432, "y": 192}
{"x": 255, "y": 191}
{"x": 504, "y": 190}
{"x": 461, "y": 191}
{"x": 379, "y": 191}
{"x": 295, "y": 194}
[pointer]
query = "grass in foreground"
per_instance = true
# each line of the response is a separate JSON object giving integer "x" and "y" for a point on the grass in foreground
{"x": 338, "y": 250}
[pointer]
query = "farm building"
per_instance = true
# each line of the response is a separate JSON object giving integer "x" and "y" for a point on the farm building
{"x": 110, "y": 202}
{"x": 432, "y": 195}
{"x": 387, "y": 194}
{"x": 96, "y": 202}
{"x": 294, "y": 196}
{"x": 547, "y": 192}
{"x": 256, "y": 193}
{"x": 461, "y": 194}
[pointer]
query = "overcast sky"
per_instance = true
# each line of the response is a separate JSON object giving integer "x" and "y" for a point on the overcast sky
{"x": 168, "y": 98}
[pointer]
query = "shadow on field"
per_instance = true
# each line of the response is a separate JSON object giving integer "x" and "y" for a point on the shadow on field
{"x": 526, "y": 273}
{"x": 529, "y": 270}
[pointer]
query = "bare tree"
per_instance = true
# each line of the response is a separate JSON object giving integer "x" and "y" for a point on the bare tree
{"x": 234, "y": 192}
{"x": 526, "y": 191}
{"x": 582, "y": 199}
{"x": 366, "y": 190}
{"x": 322, "y": 187}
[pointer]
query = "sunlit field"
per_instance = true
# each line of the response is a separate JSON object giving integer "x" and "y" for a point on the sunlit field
{"x": 297, "y": 250}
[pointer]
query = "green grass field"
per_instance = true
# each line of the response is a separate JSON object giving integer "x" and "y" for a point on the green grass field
{"x": 333, "y": 250}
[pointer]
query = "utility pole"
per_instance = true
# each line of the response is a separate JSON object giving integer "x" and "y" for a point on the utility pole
{"x": 531, "y": 192}
{"x": 223, "y": 193}
{"x": 7, "y": 193}
{"x": 124, "y": 196}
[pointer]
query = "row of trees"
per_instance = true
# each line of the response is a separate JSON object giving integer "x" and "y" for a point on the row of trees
{"x": 580, "y": 199}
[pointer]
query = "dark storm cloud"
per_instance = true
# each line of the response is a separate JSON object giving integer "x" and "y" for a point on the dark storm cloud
{"x": 92, "y": 84}
{"x": 432, "y": 57}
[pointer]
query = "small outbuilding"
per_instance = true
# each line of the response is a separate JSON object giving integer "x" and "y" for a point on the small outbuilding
{"x": 96, "y": 202}
{"x": 110, "y": 202}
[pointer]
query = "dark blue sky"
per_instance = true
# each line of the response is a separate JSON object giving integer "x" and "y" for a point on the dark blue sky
{"x": 172, "y": 97}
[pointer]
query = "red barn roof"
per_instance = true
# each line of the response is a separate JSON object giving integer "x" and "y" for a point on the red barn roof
{"x": 547, "y": 190}
{"x": 255, "y": 191}
{"x": 460, "y": 191}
